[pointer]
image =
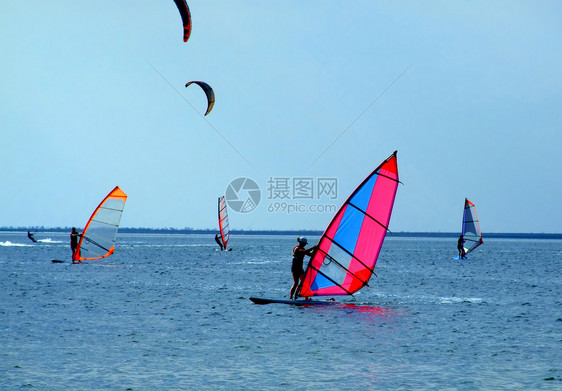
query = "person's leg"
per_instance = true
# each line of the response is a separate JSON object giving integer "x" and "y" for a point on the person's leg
{"x": 295, "y": 285}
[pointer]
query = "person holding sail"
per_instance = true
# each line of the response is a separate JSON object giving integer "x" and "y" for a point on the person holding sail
{"x": 297, "y": 270}
{"x": 460, "y": 247}
{"x": 74, "y": 235}
{"x": 218, "y": 240}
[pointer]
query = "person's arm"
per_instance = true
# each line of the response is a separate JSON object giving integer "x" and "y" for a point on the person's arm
{"x": 311, "y": 250}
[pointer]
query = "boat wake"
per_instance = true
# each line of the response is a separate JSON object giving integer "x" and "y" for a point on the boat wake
{"x": 49, "y": 240}
{"x": 7, "y": 243}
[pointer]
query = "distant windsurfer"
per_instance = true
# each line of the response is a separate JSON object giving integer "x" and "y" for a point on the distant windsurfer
{"x": 219, "y": 242}
{"x": 460, "y": 247}
{"x": 74, "y": 235}
{"x": 30, "y": 236}
{"x": 297, "y": 266}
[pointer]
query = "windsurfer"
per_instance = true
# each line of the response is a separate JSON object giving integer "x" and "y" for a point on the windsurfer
{"x": 30, "y": 236}
{"x": 460, "y": 247}
{"x": 218, "y": 240}
{"x": 297, "y": 267}
{"x": 74, "y": 235}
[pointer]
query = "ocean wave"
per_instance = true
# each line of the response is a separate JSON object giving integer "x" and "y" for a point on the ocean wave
{"x": 455, "y": 300}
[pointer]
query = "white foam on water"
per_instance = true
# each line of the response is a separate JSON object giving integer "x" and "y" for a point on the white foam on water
{"x": 7, "y": 243}
{"x": 456, "y": 300}
{"x": 49, "y": 240}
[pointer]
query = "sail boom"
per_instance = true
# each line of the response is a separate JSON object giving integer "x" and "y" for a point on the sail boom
{"x": 340, "y": 265}
{"x": 96, "y": 243}
{"x": 350, "y": 254}
{"x": 328, "y": 278}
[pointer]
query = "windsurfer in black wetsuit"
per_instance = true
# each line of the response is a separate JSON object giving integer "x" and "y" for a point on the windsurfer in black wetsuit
{"x": 297, "y": 267}
{"x": 218, "y": 240}
{"x": 460, "y": 247}
{"x": 74, "y": 235}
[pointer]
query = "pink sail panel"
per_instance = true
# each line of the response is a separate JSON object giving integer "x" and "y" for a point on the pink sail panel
{"x": 223, "y": 221}
{"x": 349, "y": 248}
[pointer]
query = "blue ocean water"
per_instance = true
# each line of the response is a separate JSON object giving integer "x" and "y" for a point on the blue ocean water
{"x": 170, "y": 312}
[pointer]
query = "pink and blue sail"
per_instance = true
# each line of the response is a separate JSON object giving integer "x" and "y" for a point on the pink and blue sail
{"x": 348, "y": 250}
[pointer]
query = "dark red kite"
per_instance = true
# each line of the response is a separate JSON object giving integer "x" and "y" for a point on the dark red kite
{"x": 185, "y": 17}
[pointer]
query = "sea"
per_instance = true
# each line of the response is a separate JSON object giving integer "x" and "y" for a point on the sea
{"x": 171, "y": 312}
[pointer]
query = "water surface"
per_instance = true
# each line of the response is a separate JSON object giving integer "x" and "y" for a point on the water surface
{"x": 172, "y": 312}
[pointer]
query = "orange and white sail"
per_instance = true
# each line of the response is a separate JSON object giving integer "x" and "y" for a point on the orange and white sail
{"x": 99, "y": 236}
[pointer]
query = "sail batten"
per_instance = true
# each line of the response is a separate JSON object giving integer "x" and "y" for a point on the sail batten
{"x": 349, "y": 247}
{"x": 371, "y": 217}
{"x": 100, "y": 233}
{"x": 114, "y": 209}
{"x": 101, "y": 222}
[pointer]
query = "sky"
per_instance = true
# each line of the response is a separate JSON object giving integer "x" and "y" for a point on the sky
{"x": 307, "y": 92}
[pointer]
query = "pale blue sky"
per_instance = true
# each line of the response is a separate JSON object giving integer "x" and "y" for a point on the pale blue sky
{"x": 477, "y": 114}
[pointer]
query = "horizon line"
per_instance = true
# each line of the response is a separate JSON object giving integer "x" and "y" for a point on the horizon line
{"x": 189, "y": 230}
